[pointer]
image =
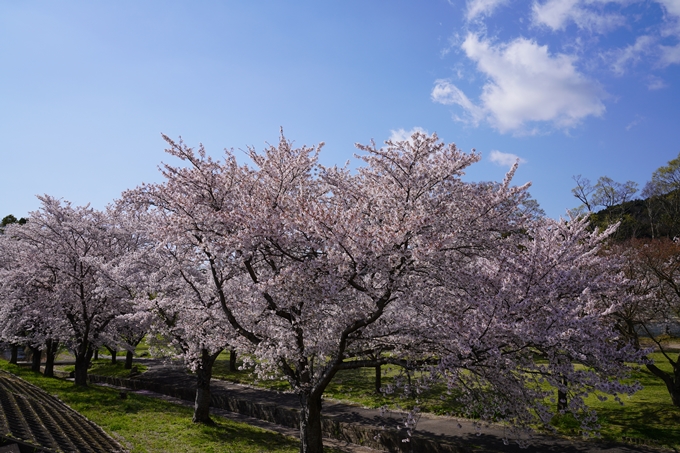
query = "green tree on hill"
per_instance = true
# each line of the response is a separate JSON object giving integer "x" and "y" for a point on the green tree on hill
{"x": 657, "y": 215}
{"x": 8, "y": 219}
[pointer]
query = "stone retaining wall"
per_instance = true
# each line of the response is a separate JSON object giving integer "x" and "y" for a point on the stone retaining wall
{"x": 381, "y": 439}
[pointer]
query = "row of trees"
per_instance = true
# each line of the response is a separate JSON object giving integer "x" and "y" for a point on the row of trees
{"x": 56, "y": 283}
{"x": 308, "y": 270}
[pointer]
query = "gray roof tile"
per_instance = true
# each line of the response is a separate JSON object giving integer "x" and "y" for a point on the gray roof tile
{"x": 32, "y": 417}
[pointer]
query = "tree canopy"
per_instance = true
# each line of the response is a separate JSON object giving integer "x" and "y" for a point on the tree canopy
{"x": 311, "y": 270}
{"x": 308, "y": 270}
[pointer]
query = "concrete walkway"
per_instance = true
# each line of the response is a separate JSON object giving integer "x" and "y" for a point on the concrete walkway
{"x": 460, "y": 432}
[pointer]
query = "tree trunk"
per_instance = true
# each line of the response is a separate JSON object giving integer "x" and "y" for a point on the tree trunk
{"x": 128, "y": 360}
{"x": 672, "y": 381}
{"x": 83, "y": 358}
{"x": 232, "y": 360}
{"x": 562, "y": 403}
{"x": 15, "y": 354}
{"x": 36, "y": 354}
{"x": 114, "y": 354}
{"x": 675, "y": 393}
{"x": 310, "y": 424}
{"x": 378, "y": 379}
{"x": 96, "y": 354}
{"x": 203, "y": 376}
{"x": 50, "y": 354}
{"x": 411, "y": 390}
{"x": 131, "y": 353}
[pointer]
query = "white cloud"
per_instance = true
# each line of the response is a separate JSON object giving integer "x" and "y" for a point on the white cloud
{"x": 656, "y": 83}
{"x": 670, "y": 55}
{"x": 525, "y": 84}
{"x": 403, "y": 135}
{"x": 646, "y": 46}
{"x": 632, "y": 54}
{"x": 553, "y": 13}
{"x": 477, "y": 8}
{"x": 444, "y": 92}
{"x": 504, "y": 159}
{"x": 672, "y": 10}
{"x": 599, "y": 16}
{"x": 671, "y": 6}
{"x": 586, "y": 14}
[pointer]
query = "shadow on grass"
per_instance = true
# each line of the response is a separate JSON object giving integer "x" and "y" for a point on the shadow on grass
{"x": 228, "y": 433}
{"x": 644, "y": 420}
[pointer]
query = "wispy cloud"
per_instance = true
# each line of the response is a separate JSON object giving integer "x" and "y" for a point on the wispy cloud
{"x": 631, "y": 55}
{"x": 525, "y": 83}
{"x": 596, "y": 17}
{"x": 670, "y": 55}
{"x": 476, "y": 8}
{"x": 656, "y": 83}
{"x": 399, "y": 135}
{"x": 638, "y": 119}
{"x": 445, "y": 92}
{"x": 504, "y": 159}
{"x": 586, "y": 14}
{"x": 672, "y": 16}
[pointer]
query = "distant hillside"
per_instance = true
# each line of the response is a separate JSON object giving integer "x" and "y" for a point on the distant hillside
{"x": 653, "y": 217}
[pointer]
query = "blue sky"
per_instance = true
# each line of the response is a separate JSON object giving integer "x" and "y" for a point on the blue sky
{"x": 588, "y": 87}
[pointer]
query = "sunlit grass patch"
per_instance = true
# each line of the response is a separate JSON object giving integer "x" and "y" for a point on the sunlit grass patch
{"x": 104, "y": 367}
{"x": 647, "y": 415}
{"x": 146, "y": 424}
{"x": 356, "y": 387}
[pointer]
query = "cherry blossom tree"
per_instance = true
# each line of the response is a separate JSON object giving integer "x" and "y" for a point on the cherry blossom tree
{"x": 654, "y": 268}
{"x": 315, "y": 270}
{"x": 195, "y": 336}
{"x": 23, "y": 305}
{"x": 125, "y": 275}
{"x": 125, "y": 332}
{"x": 187, "y": 313}
{"x": 552, "y": 295}
{"x": 182, "y": 277}
{"x": 64, "y": 249}
{"x": 12, "y": 329}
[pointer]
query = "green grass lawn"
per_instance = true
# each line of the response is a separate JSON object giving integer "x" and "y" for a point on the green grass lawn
{"x": 145, "y": 424}
{"x": 648, "y": 415}
{"x": 104, "y": 367}
{"x": 350, "y": 386}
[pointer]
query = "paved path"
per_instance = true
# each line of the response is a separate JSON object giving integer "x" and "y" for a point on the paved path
{"x": 459, "y": 431}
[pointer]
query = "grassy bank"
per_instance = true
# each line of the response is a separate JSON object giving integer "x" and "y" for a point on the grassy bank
{"x": 148, "y": 425}
{"x": 647, "y": 417}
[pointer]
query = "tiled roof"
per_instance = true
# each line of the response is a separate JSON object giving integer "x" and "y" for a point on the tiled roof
{"x": 34, "y": 418}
